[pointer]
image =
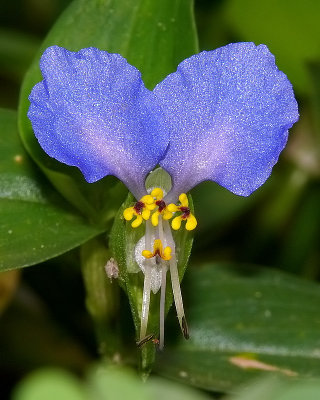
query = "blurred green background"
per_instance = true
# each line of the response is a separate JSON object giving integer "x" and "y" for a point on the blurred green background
{"x": 43, "y": 319}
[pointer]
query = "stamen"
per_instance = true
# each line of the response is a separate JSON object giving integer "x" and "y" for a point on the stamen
{"x": 138, "y": 207}
{"x": 157, "y": 193}
{"x": 175, "y": 279}
{"x": 161, "y": 205}
{"x": 145, "y": 303}
{"x": 152, "y": 262}
{"x": 160, "y": 230}
{"x": 176, "y": 223}
{"x": 186, "y": 214}
{"x": 137, "y": 222}
{"x": 145, "y": 340}
{"x": 162, "y": 304}
{"x": 163, "y": 210}
{"x": 141, "y": 209}
{"x": 158, "y": 251}
{"x": 146, "y": 288}
{"x": 185, "y": 328}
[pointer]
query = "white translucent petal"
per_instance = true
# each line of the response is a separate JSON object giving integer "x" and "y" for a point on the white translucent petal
{"x": 144, "y": 263}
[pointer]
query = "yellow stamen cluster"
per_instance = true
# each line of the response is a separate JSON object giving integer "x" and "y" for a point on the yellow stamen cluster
{"x": 142, "y": 210}
{"x": 162, "y": 209}
{"x": 158, "y": 250}
{"x": 186, "y": 214}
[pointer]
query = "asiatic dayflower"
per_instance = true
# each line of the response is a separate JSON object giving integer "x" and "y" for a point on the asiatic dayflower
{"x": 222, "y": 116}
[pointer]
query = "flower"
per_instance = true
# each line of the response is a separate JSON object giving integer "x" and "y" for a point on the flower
{"x": 222, "y": 116}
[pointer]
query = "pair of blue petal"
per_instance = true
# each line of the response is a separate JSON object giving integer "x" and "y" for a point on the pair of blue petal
{"x": 223, "y": 116}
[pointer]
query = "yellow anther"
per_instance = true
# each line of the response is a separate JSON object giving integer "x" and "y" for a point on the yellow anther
{"x": 158, "y": 250}
{"x": 166, "y": 255}
{"x": 146, "y": 214}
{"x": 128, "y": 213}
{"x": 191, "y": 222}
{"x": 166, "y": 214}
{"x": 147, "y": 253}
{"x": 172, "y": 208}
{"x": 155, "y": 218}
{"x": 137, "y": 222}
{"x": 142, "y": 210}
{"x": 186, "y": 215}
{"x": 147, "y": 200}
{"x": 176, "y": 223}
{"x": 157, "y": 193}
{"x": 183, "y": 198}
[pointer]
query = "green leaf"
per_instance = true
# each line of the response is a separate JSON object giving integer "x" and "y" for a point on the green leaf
{"x": 36, "y": 223}
{"x": 299, "y": 251}
{"x": 16, "y": 53}
{"x": 279, "y": 389}
{"x": 102, "y": 383}
{"x": 272, "y": 388}
{"x": 245, "y": 321}
{"x": 314, "y": 72}
{"x": 50, "y": 384}
{"x": 289, "y": 28}
{"x": 115, "y": 383}
{"x": 119, "y": 383}
{"x": 123, "y": 240}
{"x": 154, "y": 36}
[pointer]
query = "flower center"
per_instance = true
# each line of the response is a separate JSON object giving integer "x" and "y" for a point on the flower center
{"x": 138, "y": 207}
{"x": 185, "y": 212}
{"x": 161, "y": 205}
{"x": 158, "y": 252}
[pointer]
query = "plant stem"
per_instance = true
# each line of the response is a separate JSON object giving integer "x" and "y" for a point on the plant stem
{"x": 102, "y": 298}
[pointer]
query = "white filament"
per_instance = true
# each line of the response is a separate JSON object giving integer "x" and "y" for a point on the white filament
{"x": 146, "y": 286}
{"x": 155, "y": 276}
{"x": 174, "y": 276}
{"x": 160, "y": 230}
{"x": 145, "y": 303}
{"x": 162, "y": 304}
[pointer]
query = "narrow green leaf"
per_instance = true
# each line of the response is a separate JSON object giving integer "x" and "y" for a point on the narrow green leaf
{"x": 154, "y": 36}
{"x": 245, "y": 321}
{"x": 36, "y": 224}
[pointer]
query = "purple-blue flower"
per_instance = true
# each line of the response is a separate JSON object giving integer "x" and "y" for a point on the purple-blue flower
{"x": 223, "y": 116}
{"x": 93, "y": 111}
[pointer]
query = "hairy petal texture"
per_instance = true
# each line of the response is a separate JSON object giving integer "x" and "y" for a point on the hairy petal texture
{"x": 228, "y": 112}
{"x": 93, "y": 111}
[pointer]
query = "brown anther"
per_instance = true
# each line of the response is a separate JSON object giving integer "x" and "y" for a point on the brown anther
{"x": 185, "y": 329}
{"x": 161, "y": 205}
{"x": 138, "y": 207}
{"x": 185, "y": 212}
{"x": 145, "y": 340}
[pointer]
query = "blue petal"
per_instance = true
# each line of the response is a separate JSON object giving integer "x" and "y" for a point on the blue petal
{"x": 93, "y": 111}
{"x": 228, "y": 112}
